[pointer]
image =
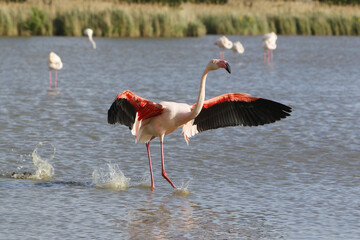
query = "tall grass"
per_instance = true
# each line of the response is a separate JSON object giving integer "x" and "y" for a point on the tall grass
{"x": 111, "y": 19}
{"x": 314, "y": 24}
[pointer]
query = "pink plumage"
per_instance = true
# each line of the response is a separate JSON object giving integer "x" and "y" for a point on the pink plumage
{"x": 148, "y": 120}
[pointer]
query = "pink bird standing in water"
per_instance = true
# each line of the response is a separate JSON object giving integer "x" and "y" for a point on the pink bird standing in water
{"x": 223, "y": 43}
{"x": 238, "y": 48}
{"x": 54, "y": 63}
{"x": 148, "y": 120}
{"x": 269, "y": 44}
{"x": 89, "y": 33}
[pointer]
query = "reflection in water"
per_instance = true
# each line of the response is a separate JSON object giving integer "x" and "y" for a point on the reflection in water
{"x": 163, "y": 221}
{"x": 179, "y": 218}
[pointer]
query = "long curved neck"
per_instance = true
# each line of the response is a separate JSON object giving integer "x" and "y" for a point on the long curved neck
{"x": 201, "y": 97}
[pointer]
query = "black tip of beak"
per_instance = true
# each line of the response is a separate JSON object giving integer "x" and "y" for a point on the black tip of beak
{"x": 228, "y": 67}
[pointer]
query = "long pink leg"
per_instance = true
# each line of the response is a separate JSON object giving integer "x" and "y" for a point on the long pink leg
{"x": 163, "y": 166}
{"x": 55, "y": 78}
{"x": 222, "y": 54}
{"x": 49, "y": 79}
{"x": 151, "y": 172}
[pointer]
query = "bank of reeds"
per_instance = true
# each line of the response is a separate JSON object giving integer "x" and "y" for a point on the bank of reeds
{"x": 114, "y": 20}
{"x": 314, "y": 24}
{"x": 106, "y": 23}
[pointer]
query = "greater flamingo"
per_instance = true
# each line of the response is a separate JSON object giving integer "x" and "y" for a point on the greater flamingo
{"x": 223, "y": 43}
{"x": 269, "y": 44}
{"x": 238, "y": 48}
{"x": 89, "y": 33}
{"x": 148, "y": 120}
{"x": 54, "y": 63}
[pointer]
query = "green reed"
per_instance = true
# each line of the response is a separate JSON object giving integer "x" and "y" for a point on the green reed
{"x": 171, "y": 22}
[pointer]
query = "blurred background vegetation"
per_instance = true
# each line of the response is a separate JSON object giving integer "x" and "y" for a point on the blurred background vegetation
{"x": 178, "y": 18}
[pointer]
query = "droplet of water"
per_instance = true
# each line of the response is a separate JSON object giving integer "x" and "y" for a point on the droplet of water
{"x": 44, "y": 170}
{"x": 111, "y": 178}
{"x": 183, "y": 189}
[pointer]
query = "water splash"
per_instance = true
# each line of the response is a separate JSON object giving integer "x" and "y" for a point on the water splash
{"x": 111, "y": 178}
{"x": 44, "y": 170}
{"x": 53, "y": 92}
{"x": 183, "y": 189}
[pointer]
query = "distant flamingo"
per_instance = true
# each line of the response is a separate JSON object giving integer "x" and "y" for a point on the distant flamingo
{"x": 238, "y": 48}
{"x": 54, "y": 62}
{"x": 89, "y": 33}
{"x": 148, "y": 120}
{"x": 269, "y": 44}
{"x": 223, "y": 43}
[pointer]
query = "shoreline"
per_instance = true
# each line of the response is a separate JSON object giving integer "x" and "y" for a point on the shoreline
{"x": 238, "y": 17}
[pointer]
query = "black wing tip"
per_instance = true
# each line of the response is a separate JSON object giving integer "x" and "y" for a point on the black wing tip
{"x": 112, "y": 116}
{"x": 228, "y": 68}
{"x": 121, "y": 111}
{"x": 275, "y": 111}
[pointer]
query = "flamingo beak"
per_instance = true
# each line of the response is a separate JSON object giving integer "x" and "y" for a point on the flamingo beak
{"x": 228, "y": 67}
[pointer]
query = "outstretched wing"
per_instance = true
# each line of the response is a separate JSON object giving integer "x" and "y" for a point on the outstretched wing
{"x": 234, "y": 109}
{"x": 127, "y": 104}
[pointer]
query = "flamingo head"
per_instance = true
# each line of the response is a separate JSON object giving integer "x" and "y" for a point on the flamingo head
{"x": 218, "y": 63}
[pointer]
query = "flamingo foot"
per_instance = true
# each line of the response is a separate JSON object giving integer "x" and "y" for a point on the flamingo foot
{"x": 163, "y": 166}
{"x": 168, "y": 179}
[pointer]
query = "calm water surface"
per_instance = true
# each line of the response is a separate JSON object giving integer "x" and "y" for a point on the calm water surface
{"x": 295, "y": 179}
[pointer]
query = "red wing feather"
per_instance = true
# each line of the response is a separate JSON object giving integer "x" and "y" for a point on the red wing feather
{"x": 127, "y": 104}
{"x": 144, "y": 108}
{"x": 229, "y": 97}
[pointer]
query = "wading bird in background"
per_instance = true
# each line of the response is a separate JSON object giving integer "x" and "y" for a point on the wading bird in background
{"x": 238, "y": 48}
{"x": 223, "y": 43}
{"x": 269, "y": 44}
{"x": 148, "y": 120}
{"x": 89, "y": 33}
{"x": 54, "y": 63}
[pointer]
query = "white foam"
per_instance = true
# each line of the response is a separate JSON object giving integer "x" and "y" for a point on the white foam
{"x": 44, "y": 170}
{"x": 111, "y": 178}
{"x": 183, "y": 189}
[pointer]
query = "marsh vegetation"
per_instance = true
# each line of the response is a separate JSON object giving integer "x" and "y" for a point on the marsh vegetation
{"x": 119, "y": 19}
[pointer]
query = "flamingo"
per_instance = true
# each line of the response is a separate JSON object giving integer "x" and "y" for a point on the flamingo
{"x": 223, "y": 43}
{"x": 148, "y": 120}
{"x": 54, "y": 63}
{"x": 238, "y": 48}
{"x": 89, "y": 33}
{"x": 269, "y": 44}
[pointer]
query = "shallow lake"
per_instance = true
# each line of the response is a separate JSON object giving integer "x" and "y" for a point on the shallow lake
{"x": 298, "y": 178}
